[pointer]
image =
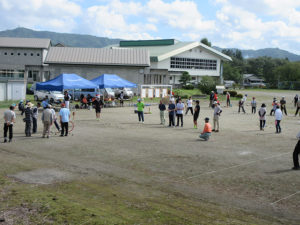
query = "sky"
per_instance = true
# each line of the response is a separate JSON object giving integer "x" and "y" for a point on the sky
{"x": 244, "y": 24}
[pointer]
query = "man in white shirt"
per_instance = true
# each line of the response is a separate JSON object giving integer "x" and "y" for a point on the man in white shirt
{"x": 217, "y": 113}
{"x": 278, "y": 118}
{"x": 179, "y": 112}
{"x": 9, "y": 119}
{"x": 189, "y": 104}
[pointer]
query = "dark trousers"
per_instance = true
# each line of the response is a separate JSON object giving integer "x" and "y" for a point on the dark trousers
{"x": 189, "y": 108}
{"x": 262, "y": 124}
{"x": 34, "y": 125}
{"x": 295, "y": 155}
{"x": 241, "y": 106}
{"x": 56, "y": 125}
{"x": 179, "y": 116}
{"x": 171, "y": 120}
{"x": 228, "y": 102}
{"x": 253, "y": 109}
{"x": 283, "y": 109}
{"x": 64, "y": 127}
{"x": 10, "y": 129}
{"x": 278, "y": 128}
{"x": 297, "y": 111}
{"x": 272, "y": 111}
{"x": 84, "y": 105}
{"x": 141, "y": 115}
{"x": 28, "y": 128}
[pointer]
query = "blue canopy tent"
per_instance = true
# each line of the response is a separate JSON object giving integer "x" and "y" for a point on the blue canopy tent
{"x": 64, "y": 82}
{"x": 112, "y": 81}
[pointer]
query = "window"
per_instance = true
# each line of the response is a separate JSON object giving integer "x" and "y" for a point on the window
{"x": 19, "y": 53}
{"x": 5, "y": 53}
{"x": 25, "y": 54}
{"x": 38, "y": 54}
{"x": 31, "y": 54}
{"x": 30, "y": 74}
{"x": 189, "y": 63}
{"x": 12, "y": 53}
{"x": 21, "y": 73}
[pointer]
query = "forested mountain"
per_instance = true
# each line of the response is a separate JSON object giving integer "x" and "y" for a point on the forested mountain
{"x": 71, "y": 40}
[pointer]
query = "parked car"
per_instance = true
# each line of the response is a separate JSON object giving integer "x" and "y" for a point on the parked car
{"x": 106, "y": 92}
{"x": 54, "y": 96}
{"x": 127, "y": 92}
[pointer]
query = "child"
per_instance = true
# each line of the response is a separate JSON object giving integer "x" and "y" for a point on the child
{"x": 206, "y": 133}
{"x": 253, "y": 105}
{"x": 262, "y": 116}
{"x": 196, "y": 113}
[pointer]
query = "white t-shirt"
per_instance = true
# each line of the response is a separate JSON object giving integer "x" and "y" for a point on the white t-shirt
{"x": 180, "y": 107}
{"x": 9, "y": 116}
{"x": 278, "y": 114}
{"x": 190, "y": 103}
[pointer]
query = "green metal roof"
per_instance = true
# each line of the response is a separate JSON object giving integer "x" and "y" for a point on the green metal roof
{"x": 147, "y": 43}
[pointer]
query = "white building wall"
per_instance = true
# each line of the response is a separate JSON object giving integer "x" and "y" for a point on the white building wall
{"x": 196, "y": 53}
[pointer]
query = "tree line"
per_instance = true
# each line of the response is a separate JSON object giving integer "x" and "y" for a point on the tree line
{"x": 277, "y": 73}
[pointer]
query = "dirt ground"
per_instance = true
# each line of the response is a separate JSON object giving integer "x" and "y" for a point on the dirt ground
{"x": 240, "y": 167}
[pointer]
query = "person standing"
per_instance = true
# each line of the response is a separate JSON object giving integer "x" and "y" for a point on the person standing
{"x": 296, "y": 98}
{"x": 122, "y": 99}
{"x": 196, "y": 114}
{"x": 47, "y": 119}
{"x": 253, "y": 105}
{"x": 211, "y": 99}
{"x": 64, "y": 114}
{"x": 67, "y": 99}
{"x": 162, "y": 109}
{"x": 21, "y": 107}
{"x": 274, "y": 105}
{"x": 206, "y": 133}
{"x": 35, "y": 113}
{"x": 217, "y": 113}
{"x": 9, "y": 120}
{"x": 262, "y": 116}
{"x": 283, "y": 105}
{"x": 54, "y": 119}
{"x": 241, "y": 105}
{"x": 140, "y": 110}
{"x": 245, "y": 98}
{"x": 298, "y": 107}
{"x": 296, "y": 154}
{"x": 28, "y": 119}
{"x": 228, "y": 99}
{"x": 171, "y": 110}
{"x": 98, "y": 103}
{"x": 179, "y": 112}
{"x": 278, "y": 118}
{"x": 189, "y": 104}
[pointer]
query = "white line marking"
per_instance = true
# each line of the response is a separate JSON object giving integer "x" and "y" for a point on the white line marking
{"x": 284, "y": 198}
{"x": 231, "y": 167}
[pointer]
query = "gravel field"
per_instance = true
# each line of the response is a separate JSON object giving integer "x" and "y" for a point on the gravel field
{"x": 240, "y": 167}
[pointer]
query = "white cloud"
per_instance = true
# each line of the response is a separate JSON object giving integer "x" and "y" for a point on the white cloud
{"x": 56, "y": 15}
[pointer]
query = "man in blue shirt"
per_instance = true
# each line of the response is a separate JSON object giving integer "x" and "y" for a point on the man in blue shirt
{"x": 64, "y": 115}
{"x": 171, "y": 110}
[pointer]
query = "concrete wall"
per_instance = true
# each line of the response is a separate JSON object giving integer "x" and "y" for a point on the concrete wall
{"x": 16, "y": 56}
{"x": 12, "y": 90}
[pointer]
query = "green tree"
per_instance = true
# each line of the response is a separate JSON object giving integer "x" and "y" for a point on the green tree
{"x": 185, "y": 78}
{"x": 231, "y": 73}
{"x": 207, "y": 84}
{"x": 206, "y": 42}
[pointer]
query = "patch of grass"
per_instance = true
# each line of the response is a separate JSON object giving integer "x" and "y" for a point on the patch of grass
{"x": 91, "y": 202}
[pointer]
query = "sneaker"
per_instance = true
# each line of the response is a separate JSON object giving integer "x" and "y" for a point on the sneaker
{"x": 296, "y": 168}
{"x": 61, "y": 135}
{"x": 217, "y": 130}
{"x": 5, "y": 140}
{"x": 213, "y": 130}
{"x": 10, "y": 140}
{"x": 48, "y": 136}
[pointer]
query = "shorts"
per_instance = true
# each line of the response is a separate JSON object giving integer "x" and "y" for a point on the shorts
{"x": 196, "y": 117}
{"x": 98, "y": 110}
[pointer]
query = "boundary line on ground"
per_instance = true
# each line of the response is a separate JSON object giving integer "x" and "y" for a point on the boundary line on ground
{"x": 286, "y": 197}
{"x": 231, "y": 167}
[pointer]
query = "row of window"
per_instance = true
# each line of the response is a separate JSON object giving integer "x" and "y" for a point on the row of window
{"x": 12, "y": 74}
{"x": 189, "y": 63}
{"x": 25, "y": 54}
